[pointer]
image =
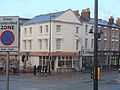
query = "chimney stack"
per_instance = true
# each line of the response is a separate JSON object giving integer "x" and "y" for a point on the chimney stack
{"x": 85, "y": 15}
{"x": 118, "y": 21}
{"x": 111, "y": 20}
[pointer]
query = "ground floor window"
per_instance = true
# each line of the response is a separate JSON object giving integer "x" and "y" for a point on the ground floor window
{"x": 64, "y": 62}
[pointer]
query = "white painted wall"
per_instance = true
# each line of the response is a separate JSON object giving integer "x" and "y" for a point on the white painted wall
{"x": 68, "y": 23}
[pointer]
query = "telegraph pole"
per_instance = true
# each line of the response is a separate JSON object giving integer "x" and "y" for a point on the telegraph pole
{"x": 50, "y": 46}
{"x": 95, "y": 87}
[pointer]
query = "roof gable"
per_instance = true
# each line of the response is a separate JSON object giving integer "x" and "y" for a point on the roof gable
{"x": 68, "y": 16}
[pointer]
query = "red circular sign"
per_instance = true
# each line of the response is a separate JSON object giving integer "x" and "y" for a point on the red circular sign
{"x": 7, "y": 38}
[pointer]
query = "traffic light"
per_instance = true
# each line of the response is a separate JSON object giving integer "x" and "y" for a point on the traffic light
{"x": 98, "y": 72}
{"x": 92, "y": 73}
{"x": 23, "y": 58}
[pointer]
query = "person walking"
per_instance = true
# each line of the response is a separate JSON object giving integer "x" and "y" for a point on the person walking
{"x": 34, "y": 70}
{"x": 46, "y": 68}
{"x": 39, "y": 68}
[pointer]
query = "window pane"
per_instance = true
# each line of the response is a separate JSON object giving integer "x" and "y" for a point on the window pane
{"x": 58, "y": 44}
{"x": 30, "y": 30}
{"x": 46, "y": 26}
{"x": 58, "y": 28}
{"x": 40, "y": 29}
{"x": 40, "y": 44}
{"x": 77, "y": 30}
{"x": 25, "y": 30}
{"x": 86, "y": 28}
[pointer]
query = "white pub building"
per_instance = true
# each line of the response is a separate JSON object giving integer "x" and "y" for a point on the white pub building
{"x": 58, "y": 35}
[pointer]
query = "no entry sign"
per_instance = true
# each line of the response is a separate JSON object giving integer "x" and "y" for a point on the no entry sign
{"x": 9, "y": 26}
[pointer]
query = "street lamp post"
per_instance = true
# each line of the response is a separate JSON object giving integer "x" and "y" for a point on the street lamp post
{"x": 50, "y": 45}
{"x": 95, "y": 87}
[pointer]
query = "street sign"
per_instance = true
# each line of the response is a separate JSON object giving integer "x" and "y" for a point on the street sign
{"x": 7, "y": 38}
{"x": 9, "y": 26}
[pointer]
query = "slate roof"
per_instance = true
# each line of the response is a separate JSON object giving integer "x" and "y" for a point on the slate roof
{"x": 44, "y": 18}
{"x": 103, "y": 23}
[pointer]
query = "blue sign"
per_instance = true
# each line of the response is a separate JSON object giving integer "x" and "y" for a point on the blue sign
{"x": 7, "y": 38}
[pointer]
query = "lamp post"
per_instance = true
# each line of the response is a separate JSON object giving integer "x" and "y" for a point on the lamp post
{"x": 95, "y": 86}
{"x": 50, "y": 45}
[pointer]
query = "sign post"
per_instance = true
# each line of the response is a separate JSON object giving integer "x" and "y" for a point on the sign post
{"x": 7, "y": 71}
{"x": 9, "y": 26}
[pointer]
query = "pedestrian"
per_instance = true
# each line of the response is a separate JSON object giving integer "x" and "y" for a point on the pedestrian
{"x": 34, "y": 70}
{"x": 46, "y": 68}
{"x": 39, "y": 68}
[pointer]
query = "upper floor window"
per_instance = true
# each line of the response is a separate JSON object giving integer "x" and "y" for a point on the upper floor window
{"x": 86, "y": 28}
{"x": 98, "y": 45}
{"x": 25, "y": 31}
{"x": 112, "y": 46}
{"x": 105, "y": 45}
{"x": 105, "y": 33}
{"x": 30, "y": 30}
{"x": 58, "y": 44}
{"x": 77, "y": 30}
{"x": 86, "y": 43}
{"x": 24, "y": 44}
{"x": 46, "y": 27}
{"x": 40, "y": 44}
{"x": 77, "y": 44}
{"x": 46, "y": 43}
{"x": 92, "y": 43}
{"x": 30, "y": 44}
{"x": 58, "y": 28}
{"x": 41, "y": 28}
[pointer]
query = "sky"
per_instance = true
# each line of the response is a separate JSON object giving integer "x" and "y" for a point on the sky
{"x": 31, "y": 8}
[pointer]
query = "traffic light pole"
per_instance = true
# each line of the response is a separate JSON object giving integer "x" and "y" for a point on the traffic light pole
{"x": 95, "y": 87}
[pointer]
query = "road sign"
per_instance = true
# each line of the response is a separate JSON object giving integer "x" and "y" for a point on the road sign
{"x": 7, "y": 38}
{"x": 9, "y": 26}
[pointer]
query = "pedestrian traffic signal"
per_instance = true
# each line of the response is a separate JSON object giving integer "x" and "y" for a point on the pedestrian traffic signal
{"x": 92, "y": 73}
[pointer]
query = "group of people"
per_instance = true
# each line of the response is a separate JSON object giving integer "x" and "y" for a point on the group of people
{"x": 40, "y": 70}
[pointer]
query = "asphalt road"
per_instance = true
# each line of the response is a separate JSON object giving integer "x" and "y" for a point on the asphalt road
{"x": 110, "y": 80}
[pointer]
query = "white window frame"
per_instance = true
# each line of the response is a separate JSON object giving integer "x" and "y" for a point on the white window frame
{"x": 86, "y": 43}
{"x": 41, "y": 29}
{"x": 46, "y": 28}
{"x": 40, "y": 44}
{"x": 25, "y": 31}
{"x": 58, "y": 44}
{"x": 58, "y": 28}
{"x": 24, "y": 44}
{"x": 30, "y": 28}
{"x": 46, "y": 43}
{"x": 30, "y": 44}
{"x": 77, "y": 44}
{"x": 77, "y": 30}
{"x": 86, "y": 28}
{"x": 92, "y": 43}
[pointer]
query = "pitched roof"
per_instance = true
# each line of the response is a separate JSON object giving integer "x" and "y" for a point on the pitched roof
{"x": 44, "y": 18}
{"x": 103, "y": 23}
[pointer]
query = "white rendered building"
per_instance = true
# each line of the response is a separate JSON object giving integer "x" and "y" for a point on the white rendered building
{"x": 63, "y": 46}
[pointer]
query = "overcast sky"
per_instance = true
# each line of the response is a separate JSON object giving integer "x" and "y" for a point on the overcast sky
{"x": 31, "y": 8}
